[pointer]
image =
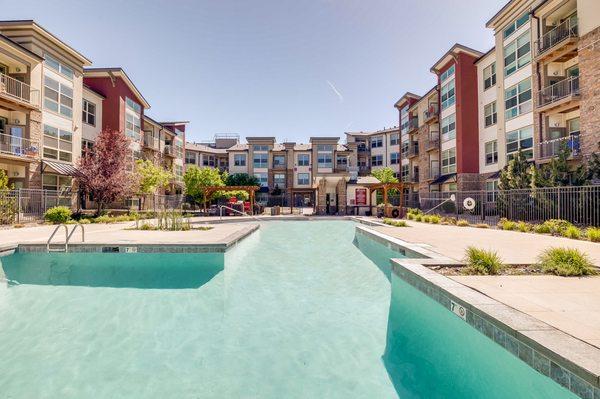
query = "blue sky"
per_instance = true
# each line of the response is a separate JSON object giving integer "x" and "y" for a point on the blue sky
{"x": 290, "y": 69}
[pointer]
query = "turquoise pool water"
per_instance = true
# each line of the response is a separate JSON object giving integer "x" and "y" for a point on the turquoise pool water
{"x": 296, "y": 310}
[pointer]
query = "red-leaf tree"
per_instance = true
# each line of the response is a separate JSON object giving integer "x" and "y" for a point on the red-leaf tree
{"x": 103, "y": 171}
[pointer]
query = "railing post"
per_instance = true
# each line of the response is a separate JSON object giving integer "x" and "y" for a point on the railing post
{"x": 18, "y": 205}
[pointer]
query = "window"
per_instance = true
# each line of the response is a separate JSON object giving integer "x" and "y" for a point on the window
{"x": 261, "y": 160}
{"x": 262, "y": 179}
{"x": 449, "y": 161}
{"x": 58, "y": 144}
{"x": 58, "y": 97}
{"x": 448, "y": 98}
{"x": 58, "y": 67}
{"x": 376, "y": 142}
{"x": 377, "y": 160}
{"x": 132, "y": 126}
{"x": 325, "y": 155}
{"x": 239, "y": 159}
{"x": 517, "y": 99}
{"x": 89, "y": 113}
{"x": 178, "y": 169}
{"x": 190, "y": 157}
{"x": 303, "y": 179}
{"x": 517, "y": 54}
{"x": 341, "y": 160}
{"x": 260, "y": 148}
{"x": 491, "y": 188}
{"x": 303, "y": 159}
{"x": 520, "y": 139}
{"x": 324, "y": 147}
{"x": 86, "y": 145}
{"x": 448, "y": 73}
{"x": 404, "y": 120}
{"x": 491, "y": 152}
{"x": 490, "y": 114}
{"x": 208, "y": 160}
{"x": 510, "y": 29}
{"x": 449, "y": 127}
{"x": 56, "y": 182}
{"x": 133, "y": 106}
{"x": 404, "y": 149}
{"x": 279, "y": 180}
{"x": 489, "y": 76}
{"x": 278, "y": 161}
{"x": 394, "y": 139}
{"x": 395, "y": 158}
{"x": 573, "y": 126}
{"x": 404, "y": 172}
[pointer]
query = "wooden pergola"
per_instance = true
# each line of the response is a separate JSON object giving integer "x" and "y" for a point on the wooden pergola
{"x": 385, "y": 187}
{"x": 251, "y": 190}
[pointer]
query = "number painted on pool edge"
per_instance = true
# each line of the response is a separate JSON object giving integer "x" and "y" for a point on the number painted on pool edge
{"x": 458, "y": 310}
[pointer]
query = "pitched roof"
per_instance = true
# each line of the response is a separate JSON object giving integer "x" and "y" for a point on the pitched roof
{"x": 204, "y": 148}
{"x": 116, "y": 71}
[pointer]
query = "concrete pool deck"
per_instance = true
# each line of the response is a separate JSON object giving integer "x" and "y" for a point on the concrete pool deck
{"x": 513, "y": 247}
{"x": 220, "y": 236}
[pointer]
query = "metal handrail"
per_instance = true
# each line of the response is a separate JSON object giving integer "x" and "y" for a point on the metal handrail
{"x": 565, "y": 30}
{"x": 73, "y": 231}
{"x": 451, "y": 199}
{"x": 234, "y": 210}
{"x": 54, "y": 233}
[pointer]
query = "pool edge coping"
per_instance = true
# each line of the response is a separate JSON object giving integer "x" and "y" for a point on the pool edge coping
{"x": 548, "y": 350}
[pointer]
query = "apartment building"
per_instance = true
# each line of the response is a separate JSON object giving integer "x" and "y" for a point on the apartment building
{"x": 376, "y": 150}
{"x": 42, "y": 92}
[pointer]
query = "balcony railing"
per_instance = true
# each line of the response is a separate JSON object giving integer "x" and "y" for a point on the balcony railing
{"x": 341, "y": 168}
{"x": 18, "y": 146}
{"x": 431, "y": 113}
{"x": 551, "y": 148}
{"x": 150, "y": 141}
{"x": 558, "y": 91}
{"x": 413, "y": 123}
{"x": 433, "y": 142}
{"x": 15, "y": 89}
{"x": 168, "y": 150}
{"x": 564, "y": 31}
{"x": 413, "y": 150}
{"x": 414, "y": 177}
{"x": 434, "y": 171}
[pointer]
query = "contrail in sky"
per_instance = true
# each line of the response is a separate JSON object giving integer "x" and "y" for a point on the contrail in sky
{"x": 336, "y": 91}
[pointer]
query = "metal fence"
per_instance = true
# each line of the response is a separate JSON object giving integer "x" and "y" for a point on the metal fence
{"x": 27, "y": 205}
{"x": 578, "y": 205}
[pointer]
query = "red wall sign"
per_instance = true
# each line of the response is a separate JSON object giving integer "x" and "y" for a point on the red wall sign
{"x": 361, "y": 196}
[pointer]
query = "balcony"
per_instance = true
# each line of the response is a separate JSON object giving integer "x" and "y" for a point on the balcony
{"x": 414, "y": 177}
{"x": 413, "y": 150}
{"x": 560, "y": 43}
{"x": 413, "y": 124}
{"x": 433, "y": 142}
{"x": 151, "y": 142}
{"x": 18, "y": 93}
{"x": 559, "y": 94}
{"x": 362, "y": 148}
{"x": 341, "y": 168}
{"x": 431, "y": 114}
{"x": 364, "y": 169}
{"x": 551, "y": 148}
{"x": 18, "y": 148}
{"x": 169, "y": 151}
{"x": 434, "y": 171}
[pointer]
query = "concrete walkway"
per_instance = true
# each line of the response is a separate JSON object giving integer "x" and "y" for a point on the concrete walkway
{"x": 513, "y": 247}
{"x": 566, "y": 303}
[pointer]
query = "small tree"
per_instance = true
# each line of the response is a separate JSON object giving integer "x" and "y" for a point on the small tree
{"x": 7, "y": 202}
{"x": 516, "y": 174}
{"x": 242, "y": 179}
{"x": 385, "y": 175}
{"x": 151, "y": 177}
{"x": 198, "y": 180}
{"x": 103, "y": 171}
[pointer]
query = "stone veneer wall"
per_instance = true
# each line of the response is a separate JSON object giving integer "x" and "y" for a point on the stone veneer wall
{"x": 34, "y": 170}
{"x": 468, "y": 181}
{"x": 589, "y": 72}
{"x": 423, "y": 158}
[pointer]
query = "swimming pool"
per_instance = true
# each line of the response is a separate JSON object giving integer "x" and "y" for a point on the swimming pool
{"x": 296, "y": 310}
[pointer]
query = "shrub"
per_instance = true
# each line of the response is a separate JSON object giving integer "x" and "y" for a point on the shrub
{"x": 449, "y": 220}
{"x": 463, "y": 223}
{"x": 425, "y": 219}
{"x": 572, "y": 232}
{"x": 523, "y": 227}
{"x": 480, "y": 261}
{"x": 557, "y": 226}
{"x": 410, "y": 216}
{"x": 482, "y": 226}
{"x": 541, "y": 229}
{"x": 147, "y": 226}
{"x": 566, "y": 262}
{"x": 58, "y": 214}
{"x": 84, "y": 221}
{"x": 414, "y": 211}
{"x": 435, "y": 219}
{"x": 593, "y": 234}
{"x": 395, "y": 223}
{"x": 505, "y": 224}
{"x": 418, "y": 217}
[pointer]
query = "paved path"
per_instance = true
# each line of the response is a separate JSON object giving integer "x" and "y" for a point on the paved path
{"x": 513, "y": 247}
{"x": 568, "y": 304}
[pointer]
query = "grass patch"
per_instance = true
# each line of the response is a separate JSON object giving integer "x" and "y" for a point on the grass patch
{"x": 566, "y": 262}
{"x": 505, "y": 224}
{"x": 541, "y": 229}
{"x": 480, "y": 261}
{"x": 524, "y": 227}
{"x": 395, "y": 223}
{"x": 593, "y": 234}
{"x": 462, "y": 223}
